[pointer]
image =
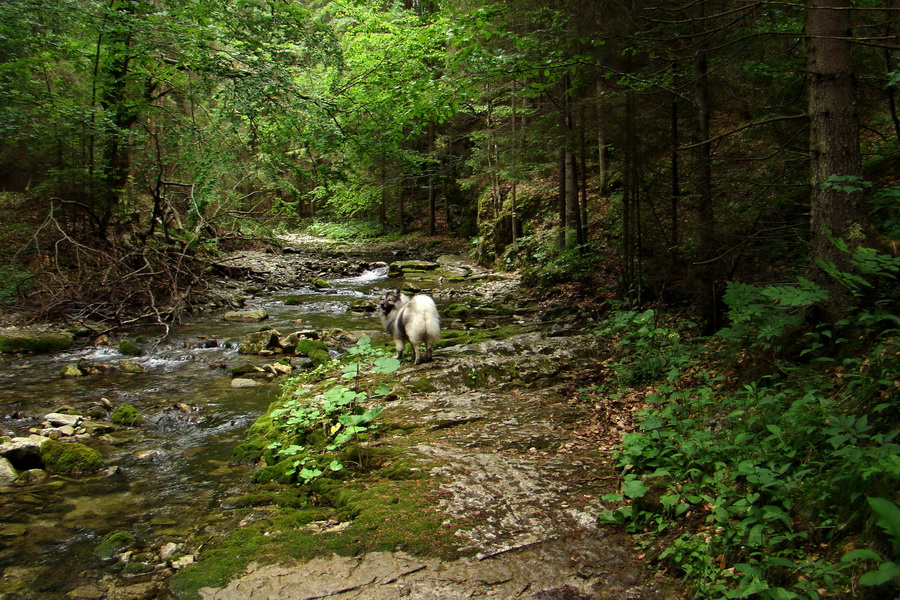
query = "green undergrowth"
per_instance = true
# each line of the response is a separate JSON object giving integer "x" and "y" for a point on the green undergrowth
{"x": 325, "y": 484}
{"x": 767, "y": 461}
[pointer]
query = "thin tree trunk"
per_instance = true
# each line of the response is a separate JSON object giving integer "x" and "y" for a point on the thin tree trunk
{"x": 514, "y": 225}
{"x": 432, "y": 210}
{"x": 676, "y": 183}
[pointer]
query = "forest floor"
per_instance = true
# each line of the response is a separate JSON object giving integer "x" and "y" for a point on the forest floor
{"x": 505, "y": 460}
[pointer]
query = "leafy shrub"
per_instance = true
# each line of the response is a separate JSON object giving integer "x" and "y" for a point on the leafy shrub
{"x": 756, "y": 488}
{"x": 314, "y": 428}
{"x": 646, "y": 349}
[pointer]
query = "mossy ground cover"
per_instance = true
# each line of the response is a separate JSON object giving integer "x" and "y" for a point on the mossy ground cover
{"x": 381, "y": 499}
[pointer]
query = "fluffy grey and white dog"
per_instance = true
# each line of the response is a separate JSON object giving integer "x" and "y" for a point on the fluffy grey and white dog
{"x": 414, "y": 320}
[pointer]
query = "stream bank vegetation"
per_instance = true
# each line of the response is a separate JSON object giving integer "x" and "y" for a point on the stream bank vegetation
{"x": 324, "y": 482}
{"x": 766, "y": 462}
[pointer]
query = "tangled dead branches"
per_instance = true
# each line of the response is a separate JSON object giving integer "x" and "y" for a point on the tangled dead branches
{"x": 121, "y": 279}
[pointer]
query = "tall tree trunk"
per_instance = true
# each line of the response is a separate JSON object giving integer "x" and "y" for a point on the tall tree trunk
{"x": 513, "y": 202}
{"x": 709, "y": 270}
{"x": 582, "y": 151}
{"x": 561, "y": 201}
{"x": 573, "y": 213}
{"x": 629, "y": 176}
{"x": 676, "y": 183}
{"x": 432, "y": 209}
{"x": 834, "y": 144}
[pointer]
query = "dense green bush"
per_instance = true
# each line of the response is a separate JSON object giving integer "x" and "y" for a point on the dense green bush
{"x": 762, "y": 489}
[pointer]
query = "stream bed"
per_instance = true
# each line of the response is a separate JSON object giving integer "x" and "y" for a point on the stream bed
{"x": 160, "y": 479}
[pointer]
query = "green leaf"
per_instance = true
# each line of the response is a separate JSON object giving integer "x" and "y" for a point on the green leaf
{"x": 860, "y": 554}
{"x": 386, "y": 365}
{"x": 885, "y": 572}
{"x": 888, "y": 519}
{"x": 635, "y": 488}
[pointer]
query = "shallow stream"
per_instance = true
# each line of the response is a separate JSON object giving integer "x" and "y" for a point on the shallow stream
{"x": 162, "y": 478}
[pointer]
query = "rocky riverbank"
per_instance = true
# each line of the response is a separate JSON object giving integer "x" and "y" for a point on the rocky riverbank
{"x": 486, "y": 480}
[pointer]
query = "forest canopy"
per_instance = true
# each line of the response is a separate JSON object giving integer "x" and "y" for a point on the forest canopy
{"x": 686, "y": 143}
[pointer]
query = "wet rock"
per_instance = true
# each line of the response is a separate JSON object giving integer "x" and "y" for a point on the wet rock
{"x": 71, "y": 371}
{"x": 22, "y": 452}
{"x": 55, "y": 433}
{"x": 7, "y": 473}
{"x": 246, "y": 316}
{"x": 240, "y": 382}
{"x": 32, "y": 477}
{"x": 130, "y": 366}
{"x": 59, "y": 419}
{"x": 138, "y": 591}
{"x": 87, "y": 592}
{"x": 260, "y": 341}
{"x": 168, "y": 550}
{"x": 97, "y": 428}
{"x": 28, "y": 340}
{"x": 182, "y": 561}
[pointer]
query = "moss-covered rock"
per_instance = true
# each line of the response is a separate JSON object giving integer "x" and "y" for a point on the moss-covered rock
{"x": 456, "y": 311}
{"x": 130, "y": 366}
{"x": 129, "y": 348}
{"x": 70, "y": 457}
{"x": 257, "y": 342}
{"x": 319, "y": 357}
{"x": 12, "y": 340}
{"x": 114, "y": 544}
{"x": 126, "y": 414}
{"x": 304, "y": 347}
{"x": 246, "y": 316}
{"x": 70, "y": 371}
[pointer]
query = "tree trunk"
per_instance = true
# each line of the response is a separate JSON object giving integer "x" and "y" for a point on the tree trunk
{"x": 432, "y": 209}
{"x": 834, "y": 145}
{"x": 708, "y": 271}
{"x": 513, "y": 203}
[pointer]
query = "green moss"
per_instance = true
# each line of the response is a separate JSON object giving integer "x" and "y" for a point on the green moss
{"x": 137, "y": 568}
{"x": 41, "y": 342}
{"x": 129, "y": 348}
{"x": 113, "y": 544}
{"x": 126, "y": 414}
{"x": 456, "y": 310}
{"x": 319, "y": 357}
{"x": 70, "y": 457}
{"x": 386, "y": 515}
{"x": 304, "y": 347}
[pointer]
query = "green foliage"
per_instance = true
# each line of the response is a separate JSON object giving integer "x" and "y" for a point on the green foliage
{"x": 750, "y": 484}
{"x": 348, "y": 230}
{"x": 315, "y": 429}
{"x": 543, "y": 264}
{"x": 647, "y": 348}
{"x": 766, "y": 314}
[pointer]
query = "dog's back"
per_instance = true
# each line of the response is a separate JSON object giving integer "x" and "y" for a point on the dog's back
{"x": 414, "y": 320}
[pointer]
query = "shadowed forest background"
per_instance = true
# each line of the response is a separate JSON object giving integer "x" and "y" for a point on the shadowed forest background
{"x": 705, "y": 167}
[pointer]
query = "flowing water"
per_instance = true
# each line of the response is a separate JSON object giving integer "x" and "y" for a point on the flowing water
{"x": 162, "y": 478}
